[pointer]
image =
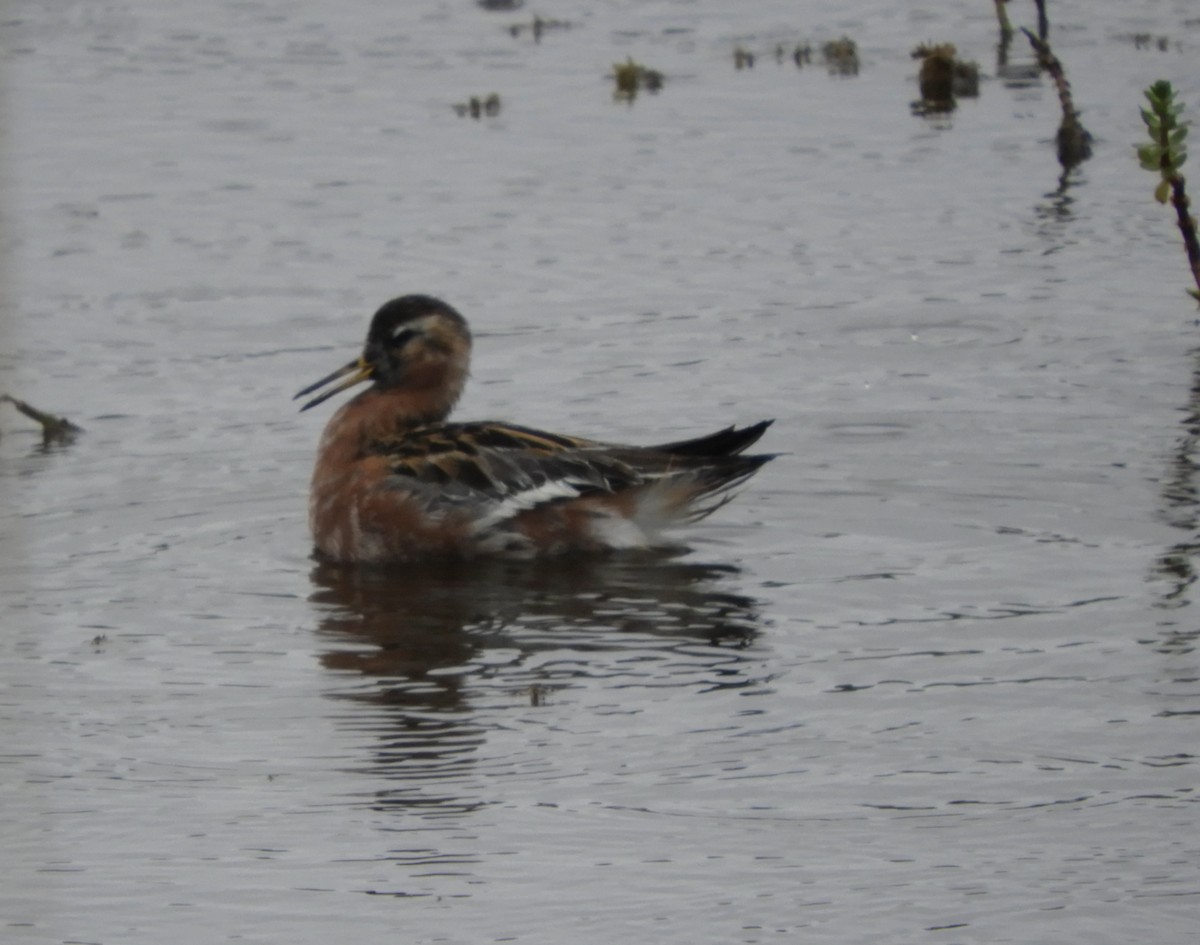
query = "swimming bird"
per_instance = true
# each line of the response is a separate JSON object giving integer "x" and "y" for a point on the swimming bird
{"x": 395, "y": 482}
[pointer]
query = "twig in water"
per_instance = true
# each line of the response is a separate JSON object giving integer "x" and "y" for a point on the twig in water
{"x": 1074, "y": 141}
{"x": 54, "y": 429}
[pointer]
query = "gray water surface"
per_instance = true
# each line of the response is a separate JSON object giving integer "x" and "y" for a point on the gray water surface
{"x": 932, "y": 677}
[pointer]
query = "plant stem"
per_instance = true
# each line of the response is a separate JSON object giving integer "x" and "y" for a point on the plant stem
{"x": 1187, "y": 226}
{"x": 53, "y": 428}
{"x": 1074, "y": 141}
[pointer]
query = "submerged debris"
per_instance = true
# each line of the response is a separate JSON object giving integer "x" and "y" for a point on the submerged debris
{"x": 54, "y": 429}
{"x": 841, "y": 56}
{"x": 477, "y": 107}
{"x": 538, "y": 695}
{"x": 632, "y": 77}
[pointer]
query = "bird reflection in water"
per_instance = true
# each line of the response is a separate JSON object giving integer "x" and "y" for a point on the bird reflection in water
{"x": 447, "y": 651}
{"x": 411, "y": 626}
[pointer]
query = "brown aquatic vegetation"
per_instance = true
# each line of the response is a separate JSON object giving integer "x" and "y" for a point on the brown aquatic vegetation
{"x": 632, "y": 77}
{"x": 537, "y": 27}
{"x": 841, "y": 56}
{"x": 1147, "y": 41}
{"x": 477, "y": 106}
{"x": 944, "y": 77}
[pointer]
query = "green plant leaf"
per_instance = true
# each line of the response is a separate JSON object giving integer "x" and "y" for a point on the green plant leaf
{"x": 1161, "y": 90}
{"x": 1162, "y": 193}
{"x": 1150, "y": 156}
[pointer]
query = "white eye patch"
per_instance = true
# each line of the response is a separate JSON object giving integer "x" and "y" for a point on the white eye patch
{"x": 410, "y": 329}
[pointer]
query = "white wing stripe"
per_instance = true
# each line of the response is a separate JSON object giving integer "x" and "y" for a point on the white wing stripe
{"x": 521, "y": 501}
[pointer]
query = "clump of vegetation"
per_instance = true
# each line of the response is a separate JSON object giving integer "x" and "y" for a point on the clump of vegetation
{"x": 1074, "y": 141}
{"x": 841, "y": 56}
{"x": 936, "y": 78}
{"x": 54, "y": 429}
{"x": 632, "y": 77}
{"x": 1146, "y": 41}
{"x": 537, "y": 26}
{"x": 477, "y": 106}
{"x": 1164, "y": 153}
{"x": 800, "y": 54}
{"x": 944, "y": 77}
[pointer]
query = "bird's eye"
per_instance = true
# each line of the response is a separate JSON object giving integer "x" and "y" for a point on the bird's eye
{"x": 402, "y": 336}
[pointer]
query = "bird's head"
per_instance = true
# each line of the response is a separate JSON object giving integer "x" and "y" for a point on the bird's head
{"x": 416, "y": 344}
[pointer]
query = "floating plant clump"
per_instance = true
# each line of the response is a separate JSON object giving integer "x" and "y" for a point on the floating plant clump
{"x": 1146, "y": 41}
{"x": 800, "y": 53}
{"x": 478, "y": 106}
{"x": 1164, "y": 154}
{"x": 944, "y": 78}
{"x": 537, "y": 26}
{"x": 841, "y": 56}
{"x": 632, "y": 77}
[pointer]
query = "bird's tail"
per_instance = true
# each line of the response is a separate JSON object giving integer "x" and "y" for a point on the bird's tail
{"x": 727, "y": 442}
{"x": 696, "y": 477}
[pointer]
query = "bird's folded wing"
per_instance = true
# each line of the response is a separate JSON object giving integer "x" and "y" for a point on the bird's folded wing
{"x": 499, "y": 470}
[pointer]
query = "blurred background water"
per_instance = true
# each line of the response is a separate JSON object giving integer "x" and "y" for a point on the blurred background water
{"x": 932, "y": 677}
